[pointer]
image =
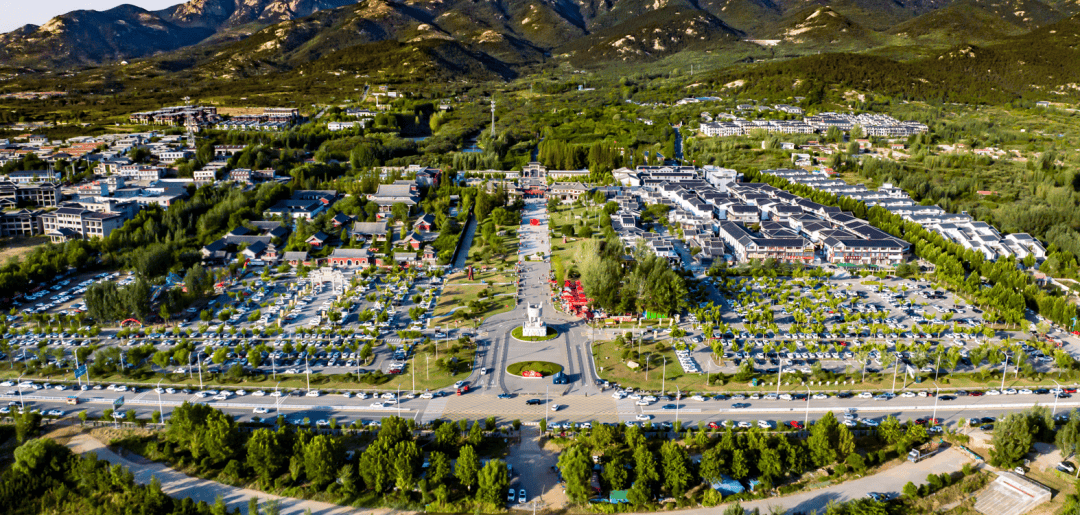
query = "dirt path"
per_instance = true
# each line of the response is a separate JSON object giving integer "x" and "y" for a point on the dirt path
{"x": 178, "y": 484}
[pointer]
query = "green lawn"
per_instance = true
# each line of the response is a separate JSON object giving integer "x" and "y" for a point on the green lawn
{"x": 460, "y": 291}
{"x": 544, "y": 367}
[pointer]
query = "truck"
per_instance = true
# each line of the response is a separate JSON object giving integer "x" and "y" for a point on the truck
{"x": 924, "y": 451}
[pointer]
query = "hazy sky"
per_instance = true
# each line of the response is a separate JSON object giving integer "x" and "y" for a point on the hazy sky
{"x": 20, "y": 12}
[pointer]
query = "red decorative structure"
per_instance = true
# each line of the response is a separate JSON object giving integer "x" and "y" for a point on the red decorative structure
{"x": 534, "y": 222}
{"x": 531, "y": 373}
{"x": 574, "y": 299}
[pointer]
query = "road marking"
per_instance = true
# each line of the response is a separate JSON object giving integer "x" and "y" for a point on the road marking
{"x": 434, "y": 410}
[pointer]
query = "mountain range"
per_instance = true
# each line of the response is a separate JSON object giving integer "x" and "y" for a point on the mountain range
{"x": 236, "y": 38}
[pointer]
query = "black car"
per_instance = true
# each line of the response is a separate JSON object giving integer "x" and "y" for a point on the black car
{"x": 961, "y": 393}
{"x": 532, "y": 402}
{"x": 1042, "y": 391}
{"x": 947, "y": 398}
{"x": 845, "y": 395}
{"x": 670, "y": 406}
{"x": 505, "y": 396}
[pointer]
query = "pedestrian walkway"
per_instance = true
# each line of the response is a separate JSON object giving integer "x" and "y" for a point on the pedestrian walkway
{"x": 179, "y": 485}
{"x": 626, "y": 409}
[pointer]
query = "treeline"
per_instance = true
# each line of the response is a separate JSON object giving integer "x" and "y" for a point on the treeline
{"x": 648, "y": 283}
{"x": 47, "y": 478}
{"x": 650, "y": 470}
{"x": 302, "y": 462}
{"x": 1009, "y": 290}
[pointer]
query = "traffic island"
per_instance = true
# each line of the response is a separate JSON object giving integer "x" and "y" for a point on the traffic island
{"x": 534, "y": 369}
{"x": 517, "y": 334}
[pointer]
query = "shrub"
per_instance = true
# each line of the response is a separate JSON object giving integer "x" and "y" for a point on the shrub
{"x": 856, "y": 462}
{"x": 910, "y": 490}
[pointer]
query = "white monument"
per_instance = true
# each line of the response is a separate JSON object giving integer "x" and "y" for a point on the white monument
{"x": 534, "y": 326}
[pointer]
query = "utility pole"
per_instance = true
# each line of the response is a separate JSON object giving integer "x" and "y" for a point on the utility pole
{"x": 493, "y": 117}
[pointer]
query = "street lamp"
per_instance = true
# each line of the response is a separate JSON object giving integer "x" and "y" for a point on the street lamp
{"x": 663, "y": 380}
{"x": 937, "y": 368}
{"x": 22, "y": 406}
{"x": 937, "y": 395}
{"x": 161, "y": 409}
{"x": 779, "y": 375}
{"x": 1056, "y": 395}
{"x": 896, "y": 364}
{"x": 1003, "y": 370}
{"x": 277, "y": 404}
{"x": 806, "y": 418}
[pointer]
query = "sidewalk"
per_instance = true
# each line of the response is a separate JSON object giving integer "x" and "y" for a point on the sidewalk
{"x": 179, "y": 485}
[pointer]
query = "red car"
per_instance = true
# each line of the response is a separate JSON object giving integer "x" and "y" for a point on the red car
{"x": 933, "y": 421}
{"x": 463, "y": 389}
{"x": 714, "y": 425}
{"x": 1069, "y": 390}
{"x": 795, "y": 424}
{"x": 976, "y": 394}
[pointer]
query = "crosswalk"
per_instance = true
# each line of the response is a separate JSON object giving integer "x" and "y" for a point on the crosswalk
{"x": 626, "y": 409}
{"x": 434, "y": 410}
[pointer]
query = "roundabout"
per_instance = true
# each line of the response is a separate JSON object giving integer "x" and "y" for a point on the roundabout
{"x": 518, "y": 335}
{"x": 545, "y": 368}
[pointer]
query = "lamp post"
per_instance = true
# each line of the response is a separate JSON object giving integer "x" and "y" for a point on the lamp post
{"x": 779, "y": 375}
{"x": 1003, "y": 370}
{"x": 277, "y": 405}
{"x": 1056, "y": 395}
{"x": 663, "y": 380}
{"x": 806, "y": 418}
{"x": 896, "y": 364}
{"x": 22, "y": 406}
{"x": 937, "y": 368}
{"x": 937, "y": 395}
{"x": 648, "y": 361}
{"x": 160, "y": 407}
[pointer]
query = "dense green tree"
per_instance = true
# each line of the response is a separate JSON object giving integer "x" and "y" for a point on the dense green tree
{"x": 493, "y": 481}
{"x": 467, "y": 467}
{"x": 576, "y": 468}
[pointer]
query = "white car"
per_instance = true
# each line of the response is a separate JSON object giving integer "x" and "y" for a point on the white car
{"x": 312, "y": 393}
{"x": 993, "y": 392}
{"x": 700, "y": 398}
{"x": 908, "y": 394}
{"x": 866, "y": 395}
{"x": 55, "y": 413}
{"x": 764, "y": 424}
{"x": 642, "y": 416}
{"x": 427, "y": 395}
{"x": 258, "y": 393}
{"x": 556, "y": 407}
{"x": 259, "y": 411}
